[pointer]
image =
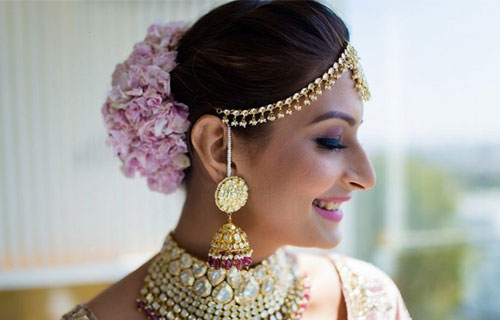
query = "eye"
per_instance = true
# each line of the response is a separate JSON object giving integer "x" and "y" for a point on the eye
{"x": 330, "y": 144}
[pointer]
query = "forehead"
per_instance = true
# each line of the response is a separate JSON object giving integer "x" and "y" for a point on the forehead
{"x": 342, "y": 97}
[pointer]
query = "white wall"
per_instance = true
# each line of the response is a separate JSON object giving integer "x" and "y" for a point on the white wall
{"x": 63, "y": 201}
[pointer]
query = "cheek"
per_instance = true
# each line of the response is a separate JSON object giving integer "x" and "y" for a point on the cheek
{"x": 294, "y": 176}
{"x": 315, "y": 170}
{"x": 283, "y": 186}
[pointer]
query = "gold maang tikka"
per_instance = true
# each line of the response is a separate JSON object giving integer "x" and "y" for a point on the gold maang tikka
{"x": 230, "y": 244}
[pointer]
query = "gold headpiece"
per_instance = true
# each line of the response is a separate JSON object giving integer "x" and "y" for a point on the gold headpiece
{"x": 348, "y": 60}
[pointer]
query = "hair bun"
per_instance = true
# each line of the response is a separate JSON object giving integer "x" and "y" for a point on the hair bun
{"x": 146, "y": 126}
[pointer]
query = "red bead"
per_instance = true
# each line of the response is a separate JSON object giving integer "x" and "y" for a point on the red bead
{"x": 238, "y": 263}
{"x": 140, "y": 304}
{"x": 226, "y": 264}
{"x": 247, "y": 261}
{"x": 217, "y": 264}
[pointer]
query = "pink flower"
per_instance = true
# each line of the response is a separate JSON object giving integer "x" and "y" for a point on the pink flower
{"x": 120, "y": 77}
{"x": 142, "y": 55}
{"x": 153, "y": 98}
{"x": 158, "y": 79}
{"x": 166, "y": 180}
{"x": 146, "y": 126}
{"x": 165, "y": 60}
{"x": 133, "y": 112}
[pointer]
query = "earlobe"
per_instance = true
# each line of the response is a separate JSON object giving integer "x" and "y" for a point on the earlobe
{"x": 209, "y": 140}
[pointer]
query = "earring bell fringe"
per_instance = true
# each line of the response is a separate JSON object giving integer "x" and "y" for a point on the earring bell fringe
{"x": 229, "y": 248}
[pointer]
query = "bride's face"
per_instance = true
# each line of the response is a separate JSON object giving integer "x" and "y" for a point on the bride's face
{"x": 312, "y": 154}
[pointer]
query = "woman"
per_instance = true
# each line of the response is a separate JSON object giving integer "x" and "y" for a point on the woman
{"x": 228, "y": 90}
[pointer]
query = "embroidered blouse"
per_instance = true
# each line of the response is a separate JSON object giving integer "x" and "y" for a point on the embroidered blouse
{"x": 369, "y": 293}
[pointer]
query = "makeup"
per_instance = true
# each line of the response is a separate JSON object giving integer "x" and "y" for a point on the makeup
{"x": 333, "y": 215}
{"x": 333, "y": 132}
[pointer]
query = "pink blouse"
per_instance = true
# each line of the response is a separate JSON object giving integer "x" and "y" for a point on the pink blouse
{"x": 370, "y": 294}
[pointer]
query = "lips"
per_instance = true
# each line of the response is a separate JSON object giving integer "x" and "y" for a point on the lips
{"x": 328, "y": 208}
{"x": 332, "y": 215}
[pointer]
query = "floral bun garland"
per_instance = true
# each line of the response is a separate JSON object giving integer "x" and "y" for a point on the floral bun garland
{"x": 146, "y": 126}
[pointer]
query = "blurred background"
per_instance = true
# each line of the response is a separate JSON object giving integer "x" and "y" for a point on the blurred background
{"x": 71, "y": 223}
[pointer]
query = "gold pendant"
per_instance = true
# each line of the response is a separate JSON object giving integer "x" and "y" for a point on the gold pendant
{"x": 230, "y": 246}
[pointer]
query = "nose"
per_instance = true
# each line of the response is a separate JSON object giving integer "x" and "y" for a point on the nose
{"x": 360, "y": 174}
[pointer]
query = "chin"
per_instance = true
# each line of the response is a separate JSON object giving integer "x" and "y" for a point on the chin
{"x": 327, "y": 234}
{"x": 321, "y": 239}
{"x": 330, "y": 239}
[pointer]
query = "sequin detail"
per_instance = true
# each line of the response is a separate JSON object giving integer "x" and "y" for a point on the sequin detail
{"x": 367, "y": 296}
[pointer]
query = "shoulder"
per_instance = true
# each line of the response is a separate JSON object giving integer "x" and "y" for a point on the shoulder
{"x": 362, "y": 279}
{"x": 116, "y": 302}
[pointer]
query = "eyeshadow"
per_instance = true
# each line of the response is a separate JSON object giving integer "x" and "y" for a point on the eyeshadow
{"x": 333, "y": 132}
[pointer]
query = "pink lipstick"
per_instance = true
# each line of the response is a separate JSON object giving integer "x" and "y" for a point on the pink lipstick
{"x": 334, "y": 215}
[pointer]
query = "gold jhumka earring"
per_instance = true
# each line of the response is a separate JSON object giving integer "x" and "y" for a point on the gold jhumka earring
{"x": 230, "y": 245}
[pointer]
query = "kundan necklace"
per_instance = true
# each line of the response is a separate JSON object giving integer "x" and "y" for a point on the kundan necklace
{"x": 180, "y": 286}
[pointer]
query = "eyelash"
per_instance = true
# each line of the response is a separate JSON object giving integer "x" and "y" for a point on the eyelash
{"x": 336, "y": 147}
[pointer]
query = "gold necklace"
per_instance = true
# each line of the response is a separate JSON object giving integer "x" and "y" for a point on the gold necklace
{"x": 181, "y": 286}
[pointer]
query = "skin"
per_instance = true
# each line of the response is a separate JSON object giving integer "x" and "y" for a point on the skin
{"x": 283, "y": 181}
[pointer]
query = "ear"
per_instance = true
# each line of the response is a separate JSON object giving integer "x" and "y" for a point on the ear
{"x": 209, "y": 139}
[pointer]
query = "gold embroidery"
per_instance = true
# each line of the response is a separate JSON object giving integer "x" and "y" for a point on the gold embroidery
{"x": 364, "y": 296}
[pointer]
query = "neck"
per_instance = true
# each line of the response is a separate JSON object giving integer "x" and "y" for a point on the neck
{"x": 200, "y": 219}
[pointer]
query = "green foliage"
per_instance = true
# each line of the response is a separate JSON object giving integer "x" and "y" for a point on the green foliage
{"x": 430, "y": 281}
{"x": 432, "y": 195}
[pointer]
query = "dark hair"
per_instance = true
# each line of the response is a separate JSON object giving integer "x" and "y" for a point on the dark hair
{"x": 246, "y": 54}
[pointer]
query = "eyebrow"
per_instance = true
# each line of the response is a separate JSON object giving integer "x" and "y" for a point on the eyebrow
{"x": 336, "y": 114}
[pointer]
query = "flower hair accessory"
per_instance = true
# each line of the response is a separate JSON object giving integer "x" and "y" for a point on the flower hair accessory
{"x": 146, "y": 126}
